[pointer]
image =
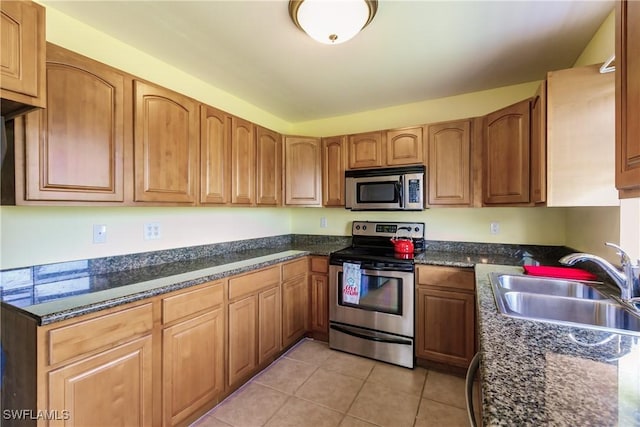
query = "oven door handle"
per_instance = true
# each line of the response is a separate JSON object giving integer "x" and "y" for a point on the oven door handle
{"x": 370, "y": 337}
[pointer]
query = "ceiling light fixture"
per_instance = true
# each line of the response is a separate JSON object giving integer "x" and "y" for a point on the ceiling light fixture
{"x": 332, "y": 21}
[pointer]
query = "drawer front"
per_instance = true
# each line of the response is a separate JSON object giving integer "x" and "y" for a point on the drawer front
{"x": 320, "y": 264}
{"x": 446, "y": 277}
{"x": 250, "y": 283}
{"x": 294, "y": 268}
{"x": 191, "y": 302}
{"x": 89, "y": 335}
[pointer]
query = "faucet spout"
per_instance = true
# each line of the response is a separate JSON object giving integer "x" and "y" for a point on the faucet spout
{"x": 627, "y": 279}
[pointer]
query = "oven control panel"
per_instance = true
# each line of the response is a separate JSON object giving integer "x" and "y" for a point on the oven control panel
{"x": 414, "y": 230}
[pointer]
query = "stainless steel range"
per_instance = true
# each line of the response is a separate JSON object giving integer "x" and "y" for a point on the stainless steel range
{"x": 371, "y": 293}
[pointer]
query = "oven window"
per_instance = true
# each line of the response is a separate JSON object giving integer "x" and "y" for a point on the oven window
{"x": 378, "y": 192}
{"x": 377, "y": 293}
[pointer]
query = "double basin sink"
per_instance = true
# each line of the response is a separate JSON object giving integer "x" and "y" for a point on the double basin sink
{"x": 560, "y": 301}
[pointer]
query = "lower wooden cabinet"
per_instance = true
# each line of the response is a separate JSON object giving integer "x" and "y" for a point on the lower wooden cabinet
{"x": 268, "y": 324}
{"x": 319, "y": 298}
{"x": 114, "y": 385}
{"x": 294, "y": 301}
{"x": 242, "y": 339}
{"x": 445, "y": 315}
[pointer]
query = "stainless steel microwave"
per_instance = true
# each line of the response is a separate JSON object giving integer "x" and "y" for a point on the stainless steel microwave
{"x": 395, "y": 189}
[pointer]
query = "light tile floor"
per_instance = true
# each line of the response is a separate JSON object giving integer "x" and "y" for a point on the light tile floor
{"x": 314, "y": 386}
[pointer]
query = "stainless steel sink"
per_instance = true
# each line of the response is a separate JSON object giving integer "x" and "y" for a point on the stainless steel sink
{"x": 564, "y": 302}
{"x": 548, "y": 286}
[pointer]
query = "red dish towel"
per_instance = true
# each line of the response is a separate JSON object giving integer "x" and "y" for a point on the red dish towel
{"x": 559, "y": 272}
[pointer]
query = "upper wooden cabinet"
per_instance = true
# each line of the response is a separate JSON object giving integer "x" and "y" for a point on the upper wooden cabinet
{"x": 243, "y": 162}
{"x": 581, "y": 137}
{"x": 539, "y": 145}
{"x": 628, "y": 98}
{"x": 74, "y": 149}
{"x": 449, "y": 170}
{"x": 302, "y": 171}
{"x": 22, "y": 56}
{"x": 404, "y": 146}
{"x": 334, "y": 163}
{"x": 215, "y": 156}
{"x": 366, "y": 150}
{"x": 166, "y": 145}
{"x": 506, "y": 177}
{"x": 268, "y": 167}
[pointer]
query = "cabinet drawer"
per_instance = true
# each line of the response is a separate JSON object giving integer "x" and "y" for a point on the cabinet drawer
{"x": 446, "y": 277}
{"x": 82, "y": 337}
{"x": 191, "y": 302}
{"x": 320, "y": 264}
{"x": 249, "y": 283}
{"x": 294, "y": 268}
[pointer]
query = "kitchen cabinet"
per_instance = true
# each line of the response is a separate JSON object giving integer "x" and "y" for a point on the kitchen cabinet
{"x": 450, "y": 166}
{"x": 581, "y": 128}
{"x": 539, "y": 145}
{"x": 445, "y": 315}
{"x": 627, "y": 163}
{"x": 86, "y": 369}
{"x": 319, "y": 298}
{"x": 166, "y": 145}
{"x": 334, "y": 163}
{"x": 268, "y": 167}
{"x": 506, "y": 177}
{"x": 215, "y": 156}
{"x": 254, "y": 323}
{"x": 22, "y": 86}
{"x": 192, "y": 352}
{"x": 243, "y": 162}
{"x": 74, "y": 150}
{"x": 294, "y": 300}
{"x": 303, "y": 171}
{"x": 366, "y": 150}
{"x": 405, "y": 146}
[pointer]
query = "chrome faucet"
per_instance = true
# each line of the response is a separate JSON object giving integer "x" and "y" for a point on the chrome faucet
{"x": 627, "y": 279}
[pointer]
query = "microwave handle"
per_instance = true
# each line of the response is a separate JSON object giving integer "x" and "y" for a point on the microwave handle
{"x": 399, "y": 190}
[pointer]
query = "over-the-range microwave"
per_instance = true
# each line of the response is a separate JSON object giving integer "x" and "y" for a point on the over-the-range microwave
{"x": 396, "y": 189}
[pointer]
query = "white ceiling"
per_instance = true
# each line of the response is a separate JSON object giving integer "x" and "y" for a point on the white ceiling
{"x": 412, "y": 51}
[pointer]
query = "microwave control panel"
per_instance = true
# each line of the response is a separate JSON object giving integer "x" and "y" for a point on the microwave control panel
{"x": 414, "y": 191}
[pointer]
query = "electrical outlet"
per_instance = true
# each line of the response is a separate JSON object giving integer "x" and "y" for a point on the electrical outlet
{"x": 495, "y": 228}
{"x": 323, "y": 222}
{"x": 99, "y": 233}
{"x": 152, "y": 231}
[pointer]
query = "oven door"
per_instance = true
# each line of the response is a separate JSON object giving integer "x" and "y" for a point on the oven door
{"x": 385, "y": 304}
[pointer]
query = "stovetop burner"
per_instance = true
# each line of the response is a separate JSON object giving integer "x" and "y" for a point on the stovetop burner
{"x": 371, "y": 243}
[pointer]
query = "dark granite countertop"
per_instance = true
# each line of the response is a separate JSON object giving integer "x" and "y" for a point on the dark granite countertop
{"x": 536, "y": 373}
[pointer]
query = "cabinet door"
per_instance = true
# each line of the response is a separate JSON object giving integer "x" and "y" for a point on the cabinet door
{"x": 366, "y": 151}
{"x": 23, "y": 56}
{"x": 404, "y": 146}
{"x": 114, "y": 385}
{"x": 166, "y": 145}
{"x": 450, "y": 163}
{"x": 242, "y": 339}
{"x": 192, "y": 365}
{"x": 268, "y": 324}
{"x": 294, "y": 309}
{"x": 319, "y": 316}
{"x": 334, "y": 163}
{"x": 539, "y": 145}
{"x": 268, "y": 167}
{"x": 74, "y": 149}
{"x": 506, "y": 155}
{"x": 215, "y": 156}
{"x": 628, "y": 98}
{"x": 581, "y": 137}
{"x": 243, "y": 162}
{"x": 445, "y": 331}
{"x": 303, "y": 173}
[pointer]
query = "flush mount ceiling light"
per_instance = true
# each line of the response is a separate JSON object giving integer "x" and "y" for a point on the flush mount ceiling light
{"x": 332, "y": 21}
